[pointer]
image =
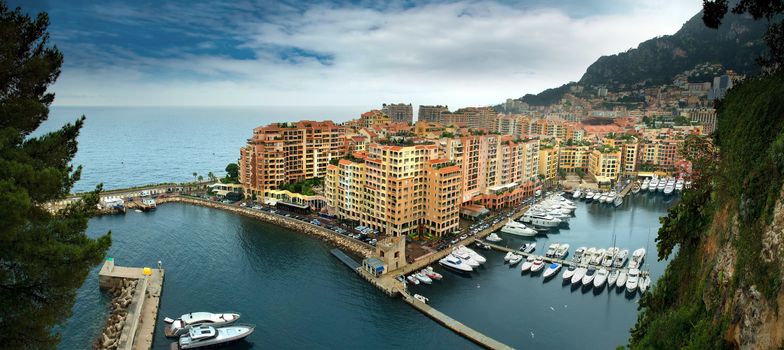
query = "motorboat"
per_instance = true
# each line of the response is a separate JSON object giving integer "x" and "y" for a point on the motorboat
{"x": 609, "y": 256}
{"x": 602, "y": 198}
{"x": 597, "y": 257}
{"x": 508, "y": 256}
{"x": 515, "y": 259}
{"x": 463, "y": 255}
{"x": 610, "y": 197}
{"x": 551, "y": 270}
{"x": 612, "y": 277}
{"x": 537, "y": 265}
{"x": 528, "y": 247}
{"x": 552, "y": 249}
{"x": 455, "y": 263}
{"x": 633, "y": 280}
{"x": 493, "y": 237}
{"x": 644, "y": 283}
{"x": 518, "y": 229}
{"x": 182, "y": 325}
{"x": 569, "y": 272}
{"x": 432, "y": 274}
{"x": 528, "y": 263}
{"x": 637, "y": 258}
{"x": 474, "y": 255}
{"x": 576, "y": 194}
{"x": 588, "y": 255}
{"x": 578, "y": 275}
{"x": 618, "y": 201}
{"x": 589, "y": 196}
{"x": 578, "y": 254}
{"x": 668, "y": 189}
{"x": 203, "y": 336}
{"x": 679, "y": 184}
{"x": 621, "y": 282}
{"x": 601, "y": 278}
{"x": 546, "y": 221}
{"x": 412, "y": 279}
{"x": 620, "y": 258}
{"x": 562, "y": 250}
{"x": 653, "y": 184}
{"x": 662, "y": 184}
{"x": 589, "y": 276}
{"x": 645, "y": 183}
{"x": 480, "y": 244}
{"x": 421, "y": 298}
{"x": 636, "y": 188}
{"x": 423, "y": 278}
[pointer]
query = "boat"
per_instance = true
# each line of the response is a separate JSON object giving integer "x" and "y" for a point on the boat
{"x": 679, "y": 184}
{"x": 637, "y": 257}
{"x": 569, "y": 272}
{"x": 421, "y": 298}
{"x": 610, "y": 197}
{"x": 432, "y": 274}
{"x": 620, "y": 258}
{"x": 203, "y": 336}
{"x": 528, "y": 247}
{"x": 493, "y": 237}
{"x": 578, "y": 275}
{"x": 618, "y": 201}
{"x": 180, "y": 326}
{"x": 465, "y": 257}
{"x": 633, "y": 280}
{"x": 412, "y": 279}
{"x": 645, "y": 183}
{"x": 474, "y": 255}
{"x": 602, "y": 198}
{"x": 515, "y": 259}
{"x": 621, "y": 281}
{"x": 455, "y": 263}
{"x": 588, "y": 255}
{"x": 668, "y": 189}
{"x": 609, "y": 256}
{"x": 601, "y": 278}
{"x": 515, "y": 228}
{"x": 552, "y": 249}
{"x": 508, "y": 256}
{"x": 644, "y": 283}
{"x": 589, "y": 196}
{"x": 551, "y": 270}
{"x": 562, "y": 250}
{"x": 545, "y": 221}
{"x": 636, "y": 188}
{"x": 589, "y": 276}
{"x": 576, "y": 194}
{"x": 612, "y": 277}
{"x": 537, "y": 265}
{"x": 662, "y": 184}
{"x": 578, "y": 254}
{"x": 528, "y": 263}
{"x": 653, "y": 184}
{"x": 423, "y": 278}
{"x": 597, "y": 257}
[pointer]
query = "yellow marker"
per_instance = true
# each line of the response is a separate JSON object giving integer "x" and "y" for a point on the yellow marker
{"x": 147, "y": 271}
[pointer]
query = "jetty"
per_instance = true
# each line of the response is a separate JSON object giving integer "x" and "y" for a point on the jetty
{"x": 563, "y": 262}
{"x": 136, "y": 295}
{"x": 627, "y": 188}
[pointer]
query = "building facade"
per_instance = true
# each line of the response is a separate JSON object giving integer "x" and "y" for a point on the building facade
{"x": 399, "y": 112}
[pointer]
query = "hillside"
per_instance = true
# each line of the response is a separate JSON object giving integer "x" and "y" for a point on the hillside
{"x": 723, "y": 288}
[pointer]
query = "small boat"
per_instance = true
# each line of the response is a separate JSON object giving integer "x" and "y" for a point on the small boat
{"x": 432, "y": 274}
{"x": 528, "y": 247}
{"x": 589, "y": 196}
{"x": 576, "y": 194}
{"x": 552, "y": 249}
{"x": 612, "y": 277}
{"x": 455, "y": 263}
{"x": 412, "y": 279}
{"x": 493, "y": 237}
{"x": 645, "y": 183}
{"x": 621, "y": 282}
{"x": 653, "y": 184}
{"x": 668, "y": 189}
{"x": 633, "y": 280}
{"x": 515, "y": 259}
{"x": 609, "y": 256}
{"x": 203, "y": 336}
{"x": 508, "y": 256}
{"x": 636, "y": 188}
{"x": 551, "y": 270}
{"x": 588, "y": 256}
{"x": 679, "y": 184}
{"x": 423, "y": 278}
{"x": 528, "y": 263}
{"x": 181, "y": 325}
{"x": 518, "y": 229}
{"x": 562, "y": 250}
{"x": 589, "y": 276}
{"x": 644, "y": 283}
{"x": 618, "y": 201}
{"x": 421, "y": 298}
{"x": 610, "y": 197}
{"x": 537, "y": 265}
{"x": 569, "y": 272}
{"x": 597, "y": 257}
{"x": 578, "y": 254}
{"x": 637, "y": 258}
{"x": 601, "y": 278}
{"x": 578, "y": 275}
{"x": 620, "y": 258}
{"x": 662, "y": 184}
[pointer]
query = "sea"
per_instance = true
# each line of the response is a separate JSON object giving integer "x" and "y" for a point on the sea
{"x": 289, "y": 285}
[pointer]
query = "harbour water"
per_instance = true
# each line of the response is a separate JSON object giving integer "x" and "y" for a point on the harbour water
{"x": 303, "y": 297}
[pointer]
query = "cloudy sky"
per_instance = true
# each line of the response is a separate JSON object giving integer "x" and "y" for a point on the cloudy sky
{"x": 238, "y": 53}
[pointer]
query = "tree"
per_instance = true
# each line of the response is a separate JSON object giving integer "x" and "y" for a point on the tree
{"x": 44, "y": 256}
{"x": 713, "y": 12}
{"x": 233, "y": 171}
{"x": 195, "y": 175}
{"x": 201, "y": 178}
{"x": 211, "y": 176}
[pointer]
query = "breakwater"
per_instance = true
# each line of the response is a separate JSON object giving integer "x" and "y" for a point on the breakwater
{"x": 357, "y": 247}
{"x": 122, "y": 291}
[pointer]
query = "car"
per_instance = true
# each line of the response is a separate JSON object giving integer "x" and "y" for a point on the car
{"x": 400, "y": 278}
{"x": 453, "y": 241}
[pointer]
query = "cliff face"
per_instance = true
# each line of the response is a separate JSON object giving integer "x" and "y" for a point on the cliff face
{"x": 723, "y": 288}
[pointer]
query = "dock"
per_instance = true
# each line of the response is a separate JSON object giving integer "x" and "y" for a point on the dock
{"x": 138, "y": 326}
{"x": 563, "y": 262}
{"x": 625, "y": 191}
{"x": 345, "y": 259}
{"x": 457, "y": 327}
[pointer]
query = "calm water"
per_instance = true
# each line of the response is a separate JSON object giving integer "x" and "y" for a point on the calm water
{"x": 124, "y": 147}
{"x": 302, "y": 297}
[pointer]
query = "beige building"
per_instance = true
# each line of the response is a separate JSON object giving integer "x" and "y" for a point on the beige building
{"x": 548, "y": 160}
{"x": 431, "y": 113}
{"x": 399, "y": 112}
{"x": 705, "y": 116}
{"x": 604, "y": 164}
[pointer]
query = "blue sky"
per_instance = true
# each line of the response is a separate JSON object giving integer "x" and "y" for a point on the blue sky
{"x": 245, "y": 53}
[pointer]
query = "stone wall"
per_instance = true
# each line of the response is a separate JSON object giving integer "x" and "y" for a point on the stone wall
{"x": 357, "y": 247}
{"x": 124, "y": 292}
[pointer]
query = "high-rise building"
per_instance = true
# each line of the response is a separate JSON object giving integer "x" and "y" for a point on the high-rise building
{"x": 705, "y": 116}
{"x": 399, "y": 112}
{"x": 431, "y": 113}
{"x": 471, "y": 117}
{"x": 548, "y": 160}
{"x": 288, "y": 152}
{"x": 604, "y": 164}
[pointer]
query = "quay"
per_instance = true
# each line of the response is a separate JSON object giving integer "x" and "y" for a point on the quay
{"x": 137, "y": 298}
{"x": 345, "y": 258}
{"x": 625, "y": 191}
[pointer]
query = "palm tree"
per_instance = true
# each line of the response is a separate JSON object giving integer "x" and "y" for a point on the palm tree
{"x": 194, "y": 176}
{"x": 201, "y": 178}
{"x": 211, "y": 176}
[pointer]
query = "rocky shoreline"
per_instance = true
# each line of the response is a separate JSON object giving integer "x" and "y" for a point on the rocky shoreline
{"x": 122, "y": 295}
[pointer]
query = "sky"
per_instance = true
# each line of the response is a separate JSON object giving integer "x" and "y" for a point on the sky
{"x": 337, "y": 53}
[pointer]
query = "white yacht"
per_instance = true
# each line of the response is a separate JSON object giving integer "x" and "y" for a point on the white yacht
{"x": 588, "y": 255}
{"x": 421, "y": 298}
{"x": 589, "y": 276}
{"x": 589, "y": 196}
{"x": 202, "y": 336}
{"x": 423, "y": 278}
{"x": 621, "y": 281}
{"x": 538, "y": 264}
{"x": 636, "y": 188}
{"x": 569, "y": 272}
{"x": 637, "y": 257}
{"x": 654, "y": 183}
{"x": 562, "y": 250}
{"x": 578, "y": 254}
{"x": 668, "y": 189}
{"x": 620, "y": 258}
{"x": 633, "y": 280}
{"x": 609, "y": 256}
{"x": 679, "y": 184}
{"x": 578, "y": 275}
{"x": 508, "y": 256}
{"x": 528, "y": 247}
{"x": 528, "y": 263}
{"x": 576, "y": 194}
{"x": 518, "y": 229}
{"x": 645, "y": 183}
{"x": 181, "y": 325}
{"x": 612, "y": 277}
{"x": 455, "y": 263}
{"x": 601, "y": 277}
{"x": 602, "y": 198}
{"x": 413, "y": 279}
{"x": 474, "y": 255}
{"x": 515, "y": 259}
{"x": 493, "y": 237}
{"x": 551, "y": 250}
{"x": 644, "y": 283}
{"x": 662, "y": 184}
{"x": 546, "y": 221}
{"x": 551, "y": 270}
{"x": 597, "y": 257}
{"x": 610, "y": 197}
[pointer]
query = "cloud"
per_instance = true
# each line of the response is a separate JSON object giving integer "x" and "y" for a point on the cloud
{"x": 456, "y": 53}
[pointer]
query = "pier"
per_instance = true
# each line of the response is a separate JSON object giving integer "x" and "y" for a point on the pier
{"x": 136, "y": 307}
{"x": 563, "y": 262}
{"x": 345, "y": 258}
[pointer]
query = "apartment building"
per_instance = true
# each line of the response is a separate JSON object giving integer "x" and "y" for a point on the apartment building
{"x": 548, "y": 160}
{"x": 706, "y": 117}
{"x": 399, "y": 112}
{"x": 571, "y": 158}
{"x": 288, "y": 152}
{"x": 604, "y": 164}
{"x": 431, "y": 113}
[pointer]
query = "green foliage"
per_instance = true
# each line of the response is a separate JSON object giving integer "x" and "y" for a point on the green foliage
{"x": 304, "y": 187}
{"x": 547, "y": 97}
{"x": 44, "y": 256}
{"x": 232, "y": 171}
{"x": 447, "y": 135}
